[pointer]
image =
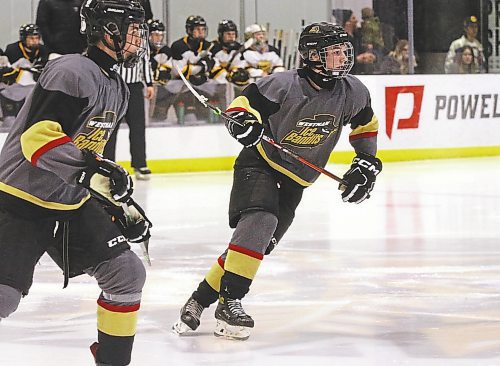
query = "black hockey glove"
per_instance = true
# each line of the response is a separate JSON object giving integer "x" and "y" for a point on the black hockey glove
{"x": 133, "y": 225}
{"x": 249, "y": 132}
{"x": 239, "y": 77}
{"x": 162, "y": 76}
{"x": 198, "y": 79}
{"x": 8, "y": 75}
{"x": 120, "y": 182}
{"x": 360, "y": 178}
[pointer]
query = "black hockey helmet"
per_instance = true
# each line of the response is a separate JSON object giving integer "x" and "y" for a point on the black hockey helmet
{"x": 227, "y": 25}
{"x": 28, "y": 30}
{"x": 156, "y": 27}
{"x": 113, "y": 17}
{"x": 195, "y": 21}
{"x": 314, "y": 43}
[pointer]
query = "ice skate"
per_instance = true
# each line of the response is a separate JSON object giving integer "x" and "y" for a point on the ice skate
{"x": 190, "y": 317}
{"x": 232, "y": 321}
{"x": 143, "y": 173}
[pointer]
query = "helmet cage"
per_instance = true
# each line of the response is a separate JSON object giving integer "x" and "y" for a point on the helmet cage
{"x": 337, "y": 69}
{"x": 113, "y": 17}
{"x": 156, "y": 27}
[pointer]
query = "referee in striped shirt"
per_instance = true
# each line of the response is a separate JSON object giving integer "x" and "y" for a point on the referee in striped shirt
{"x": 135, "y": 78}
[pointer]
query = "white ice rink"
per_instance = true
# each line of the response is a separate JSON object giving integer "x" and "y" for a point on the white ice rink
{"x": 409, "y": 277}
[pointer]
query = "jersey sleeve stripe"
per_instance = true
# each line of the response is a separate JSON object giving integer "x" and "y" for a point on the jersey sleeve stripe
{"x": 370, "y": 127}
{"x": 363, "y": 136}
{"x": 40, "y": 138}
{"x": 60, "y": 141}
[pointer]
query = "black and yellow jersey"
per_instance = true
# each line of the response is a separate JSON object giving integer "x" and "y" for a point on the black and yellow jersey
{"x": 75, "y": 104}
{"x": 308, "y": 121}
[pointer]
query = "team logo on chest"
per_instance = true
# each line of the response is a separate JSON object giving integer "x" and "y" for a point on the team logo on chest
{"x": 97, "y": 132}
{"x": 311, "y": 132}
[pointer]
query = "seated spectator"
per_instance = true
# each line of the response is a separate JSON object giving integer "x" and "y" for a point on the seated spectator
{"x": 469, "y": 38}
{"x": 371, "y": 34}
{"x": 396, "y": 62}
{"x": 365, "y": 57}
{"x": 261, "y": 58}
{"x": 464, "y": 62}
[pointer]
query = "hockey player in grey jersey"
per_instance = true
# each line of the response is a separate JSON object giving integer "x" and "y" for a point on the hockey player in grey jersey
{"x": 50, "y": 160}
{"x": 304, "y": 110}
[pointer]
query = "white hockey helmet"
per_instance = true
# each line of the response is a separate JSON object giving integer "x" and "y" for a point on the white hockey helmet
{"x": 253, "y": 28}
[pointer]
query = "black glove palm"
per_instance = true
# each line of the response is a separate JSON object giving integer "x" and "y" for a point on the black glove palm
{"x": 360, "y": 178}
{"x": 121, "y": 186}
{"x": 249, "y": 131}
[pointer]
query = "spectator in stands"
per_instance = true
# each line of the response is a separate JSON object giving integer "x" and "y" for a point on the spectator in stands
{"x": 59, "y": 22}
{"x": 365, "y": 59}
{"x": 464, "y": 62}
{"x": 469, "y": 38}
{"x": 261, "y": 58}
{"x": 396, "y": 62}
{"x": 371, "y": 34}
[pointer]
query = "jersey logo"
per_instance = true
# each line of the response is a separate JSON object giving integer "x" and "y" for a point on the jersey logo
{"x": 312, "y": 132}
{"x": 116, "y": 241}
{"x": 97, "y": 132}
{"x": 314, "y": 29}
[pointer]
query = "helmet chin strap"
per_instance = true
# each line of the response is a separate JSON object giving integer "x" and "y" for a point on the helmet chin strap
{"x": 114, "y": 33}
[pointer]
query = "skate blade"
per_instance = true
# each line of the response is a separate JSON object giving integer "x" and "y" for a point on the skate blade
{"x": 181, "y": 328}
{"x": 232, "y": 332}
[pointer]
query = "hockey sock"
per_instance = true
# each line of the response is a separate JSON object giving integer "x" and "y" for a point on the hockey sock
{"x": 208, "y": 290}
{"x": 116, "y": 325}
{"x": 241, "y": 266}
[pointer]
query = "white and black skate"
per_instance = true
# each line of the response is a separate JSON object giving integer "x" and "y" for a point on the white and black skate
{"x": 232, "y": 321}
{"x": 190, "y": 317}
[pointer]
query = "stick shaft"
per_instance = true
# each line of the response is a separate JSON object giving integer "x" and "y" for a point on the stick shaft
{"x": 203, "y": 100}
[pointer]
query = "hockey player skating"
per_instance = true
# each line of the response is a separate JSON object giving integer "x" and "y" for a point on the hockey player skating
{"x": 48, "y": 161}
{"x": 304, "y": 110}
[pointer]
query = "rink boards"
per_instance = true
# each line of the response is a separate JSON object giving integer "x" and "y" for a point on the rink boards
{"x": 420, "y": 117}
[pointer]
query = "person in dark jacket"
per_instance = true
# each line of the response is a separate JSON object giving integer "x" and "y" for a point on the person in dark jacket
{"x": 59, "y": 22}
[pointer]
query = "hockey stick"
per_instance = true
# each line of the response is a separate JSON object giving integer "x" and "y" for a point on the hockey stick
{"x": 204, "y": 100}
{"x": 104, "y": 200}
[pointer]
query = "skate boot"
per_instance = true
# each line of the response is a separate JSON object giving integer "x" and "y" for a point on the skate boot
{"x": 142, "y": 173}
{"x": 93, "y": 349}
{"x": 232, "y": 321}
{"x": 190, "y": 317}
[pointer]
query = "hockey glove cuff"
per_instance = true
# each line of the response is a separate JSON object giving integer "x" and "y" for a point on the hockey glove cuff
{"x": 249, "y": 131}
{"x": 120, "y": 182}
{"x": 360, "y": 178}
